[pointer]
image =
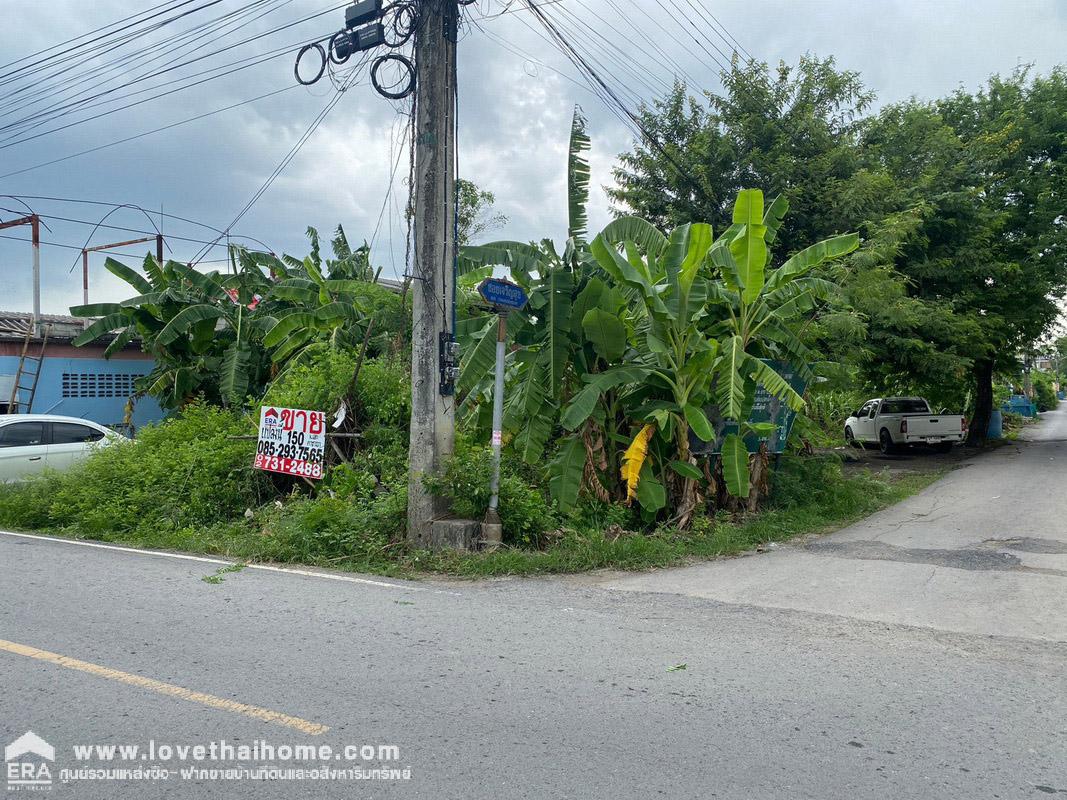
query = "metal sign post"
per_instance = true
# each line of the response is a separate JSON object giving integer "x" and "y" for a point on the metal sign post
{"x": 503, "y": 296}
{"x": 498, "y": 414}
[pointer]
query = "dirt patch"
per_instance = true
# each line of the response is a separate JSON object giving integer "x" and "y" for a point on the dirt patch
{"x": 919, "y": 460}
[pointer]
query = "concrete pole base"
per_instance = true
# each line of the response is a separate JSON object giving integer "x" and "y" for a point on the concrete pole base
{"x": 492, "y": 531}
{"x": 454, "y": 534}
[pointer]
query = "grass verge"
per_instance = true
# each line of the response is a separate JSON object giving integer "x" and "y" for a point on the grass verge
{"x": 812, "y": 496}
{"x": 578, "y": 551}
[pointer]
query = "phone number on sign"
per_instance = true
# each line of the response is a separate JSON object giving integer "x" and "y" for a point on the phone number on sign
{"x": 294, "y": 451}
{"x": 289, "y": 466}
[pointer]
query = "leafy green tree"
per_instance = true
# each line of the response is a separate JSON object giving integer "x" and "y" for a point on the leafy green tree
{"x": 975, "y": 182}
{"x": 791, "y": 131}
{"x": 474, "y": 209}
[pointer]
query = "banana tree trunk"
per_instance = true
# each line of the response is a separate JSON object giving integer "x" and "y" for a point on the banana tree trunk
{"x": 685, "y": 488}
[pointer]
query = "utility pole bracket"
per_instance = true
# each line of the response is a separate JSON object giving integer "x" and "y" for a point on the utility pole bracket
{"x": 448, "y": 358}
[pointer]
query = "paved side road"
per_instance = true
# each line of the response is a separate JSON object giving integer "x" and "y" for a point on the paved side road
{"x": 983, "y": 551}
{"x": 561, "y": 688}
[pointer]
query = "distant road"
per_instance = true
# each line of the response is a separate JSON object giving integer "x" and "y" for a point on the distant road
{"x": 919, "y": 654}
{"x": 983, "y": 551}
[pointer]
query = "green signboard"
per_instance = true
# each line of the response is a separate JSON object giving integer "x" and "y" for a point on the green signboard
{"x": 765, "y": 408}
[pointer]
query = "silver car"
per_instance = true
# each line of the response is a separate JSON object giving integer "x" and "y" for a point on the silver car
{"x": 30, "y": 443}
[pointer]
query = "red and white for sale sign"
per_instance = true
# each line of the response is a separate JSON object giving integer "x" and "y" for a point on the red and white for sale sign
{"x": 291, "y": 441}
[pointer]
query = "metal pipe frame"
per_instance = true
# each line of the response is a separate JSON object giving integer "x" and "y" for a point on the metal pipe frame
{"x": 158, "y": 239}
{"x": 34, "y": 222}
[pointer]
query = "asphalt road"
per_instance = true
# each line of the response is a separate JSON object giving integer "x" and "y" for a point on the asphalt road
{"x": 795, "y": 684}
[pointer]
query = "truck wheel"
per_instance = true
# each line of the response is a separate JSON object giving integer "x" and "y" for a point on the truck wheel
{"x": 885, "y": 443}
{"x": 850, "y": 438}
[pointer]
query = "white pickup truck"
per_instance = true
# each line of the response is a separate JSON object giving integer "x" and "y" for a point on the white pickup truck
{"x": 897, "y": 422}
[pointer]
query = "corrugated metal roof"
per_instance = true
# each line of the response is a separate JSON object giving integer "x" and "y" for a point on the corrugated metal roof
{"x": 17, "y": 323}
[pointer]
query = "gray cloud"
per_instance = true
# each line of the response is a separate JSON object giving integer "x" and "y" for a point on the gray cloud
{"x": 514, "y": 117}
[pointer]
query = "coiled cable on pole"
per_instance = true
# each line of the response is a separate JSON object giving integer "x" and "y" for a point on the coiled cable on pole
{"x": 408, "y": 84}
{"x": 322, "y": 66}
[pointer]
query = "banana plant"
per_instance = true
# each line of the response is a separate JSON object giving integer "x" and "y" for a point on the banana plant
{"x": 756, "y": 312}
{"x": 201, "y": 328}
{"x": 573, "y": 328}
{"x": 545, "y": 339}
{"x": 311, "y": 309}
{"x": 670, "y": 369}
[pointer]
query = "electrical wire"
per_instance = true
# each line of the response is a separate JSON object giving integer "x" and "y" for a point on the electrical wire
{"x": 353, "y": 75}
{"x": 187, "y": 220}
{"x": 663, "y": 55}
{"x": 98, "y": 42}
{"x": 526, "y": 56}
{"x": 195, "y": 36}
{"x": 274, "y": 54}
{"x": 148, "y": 133}
{"x": 47, "y": 244}
{"x": 13, "y": 141}
{"x": 91, "y": 33}
{"x": 69, "y": 76}
{"x": 612, "y": 98}
{"x": 126, "y": 229}
{"x": 239, "y": 65}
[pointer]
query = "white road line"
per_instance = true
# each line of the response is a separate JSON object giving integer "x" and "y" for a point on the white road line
{"x": 207, "y": 560}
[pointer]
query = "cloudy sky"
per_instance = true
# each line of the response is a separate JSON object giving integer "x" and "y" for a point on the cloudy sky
{"x": 516, "y": 97}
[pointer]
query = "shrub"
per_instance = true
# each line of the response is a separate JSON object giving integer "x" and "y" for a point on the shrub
{"x": 320, "y": 381}
{"x": 329, "y": 528}
{"x": 823, "y": 419}
{"x": 1044, "y": 393}
{"x": 819, "y": 482}
{"x": 384, "y": 392}
{"x": 350, "y": 482}
{"x": 524, "y": 513}
{"x": 25, "y": 506}
{"x": 184, "y": 471}
{"x": 592, "y": 514}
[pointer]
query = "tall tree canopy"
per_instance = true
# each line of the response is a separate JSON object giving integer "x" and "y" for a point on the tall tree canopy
{"x": 960, "y": 202}
{"x": 978, "y": 183}
{"x": 790, "y": 131}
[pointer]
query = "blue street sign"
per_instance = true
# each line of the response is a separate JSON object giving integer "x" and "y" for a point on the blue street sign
{"x": 502, "y": 294}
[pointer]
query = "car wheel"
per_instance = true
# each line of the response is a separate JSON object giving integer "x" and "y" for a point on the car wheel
{"x": 850, "y": 437}
{"x": 885, "y": 443}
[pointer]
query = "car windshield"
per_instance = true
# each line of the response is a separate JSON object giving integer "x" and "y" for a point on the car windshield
{"x": 905, "y": 407}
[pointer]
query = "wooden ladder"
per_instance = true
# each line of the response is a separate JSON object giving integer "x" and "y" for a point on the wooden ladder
{"x": 29, "y": 367}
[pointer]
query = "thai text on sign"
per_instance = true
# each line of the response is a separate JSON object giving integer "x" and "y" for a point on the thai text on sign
{"x": 292, "y": 441}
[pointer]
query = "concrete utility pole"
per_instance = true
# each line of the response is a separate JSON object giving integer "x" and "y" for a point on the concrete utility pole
{"x": 432, "y": 413}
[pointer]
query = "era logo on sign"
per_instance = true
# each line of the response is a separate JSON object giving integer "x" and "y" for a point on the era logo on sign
{"x": 25, "y": 765}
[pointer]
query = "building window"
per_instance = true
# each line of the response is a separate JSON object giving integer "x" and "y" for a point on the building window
{"x": 98, "y": 384}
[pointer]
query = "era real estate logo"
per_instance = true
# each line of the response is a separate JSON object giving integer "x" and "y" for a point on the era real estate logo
{"x": 25, "y": 762}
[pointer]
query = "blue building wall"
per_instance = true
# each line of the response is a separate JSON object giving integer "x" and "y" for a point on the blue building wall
{"x": 90, "y": 388}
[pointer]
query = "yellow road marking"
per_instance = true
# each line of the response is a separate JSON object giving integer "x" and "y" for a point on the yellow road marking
{"x": 264, "y": 714}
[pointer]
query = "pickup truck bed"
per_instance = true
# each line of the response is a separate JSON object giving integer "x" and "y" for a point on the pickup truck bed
{"x": 895, "y": 422}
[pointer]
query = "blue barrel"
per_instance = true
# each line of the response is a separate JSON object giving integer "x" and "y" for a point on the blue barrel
{"x": 996, "y": 425}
